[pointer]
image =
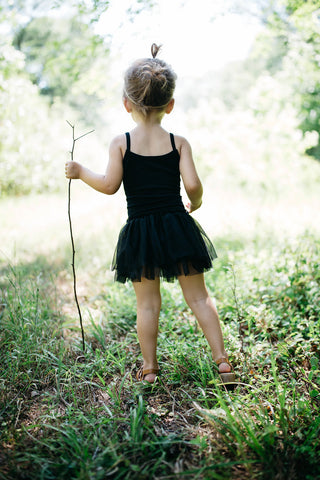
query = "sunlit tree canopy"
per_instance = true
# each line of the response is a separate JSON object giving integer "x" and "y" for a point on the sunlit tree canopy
{"x": 61, "y": 55}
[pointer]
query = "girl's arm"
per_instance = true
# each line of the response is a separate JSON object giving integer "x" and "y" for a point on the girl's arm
{"x": 191, "y": 181}
{"x": 110, "y": 182}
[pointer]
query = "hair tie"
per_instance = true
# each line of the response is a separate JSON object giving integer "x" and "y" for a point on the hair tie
{"x": 155, "y": 49}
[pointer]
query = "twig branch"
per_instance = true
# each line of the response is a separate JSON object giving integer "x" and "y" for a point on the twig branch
{"x": 71, "y": 234}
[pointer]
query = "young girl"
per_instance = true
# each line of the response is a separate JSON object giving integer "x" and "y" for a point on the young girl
{"x": 160, "y": 238}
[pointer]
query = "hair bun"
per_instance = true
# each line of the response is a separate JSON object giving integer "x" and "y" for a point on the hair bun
{"x": 149, "y": 83}
{"x": 155, "y": 49}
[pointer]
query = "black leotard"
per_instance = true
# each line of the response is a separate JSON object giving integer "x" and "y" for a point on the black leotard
{"x": 160, "y": 238}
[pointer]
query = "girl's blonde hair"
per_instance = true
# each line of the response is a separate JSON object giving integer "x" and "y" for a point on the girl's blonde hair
{"x": 149, "y": 83}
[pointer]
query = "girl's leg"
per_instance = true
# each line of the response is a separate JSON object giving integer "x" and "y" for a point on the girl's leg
{"x": 148, "y": 310}
{"x": 197, "y": 297}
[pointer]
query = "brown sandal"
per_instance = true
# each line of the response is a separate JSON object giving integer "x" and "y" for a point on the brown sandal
{"x": 142, "y": 373}
{"x": 226, "y": 377}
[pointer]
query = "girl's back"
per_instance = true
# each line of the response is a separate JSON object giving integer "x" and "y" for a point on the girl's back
{"x": 150, "y": 141}
{"x": 152, "y": 182}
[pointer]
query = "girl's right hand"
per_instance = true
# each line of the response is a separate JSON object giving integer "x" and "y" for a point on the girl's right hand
{"x": 72, "y": 170}
{"x": 191, "y": 208}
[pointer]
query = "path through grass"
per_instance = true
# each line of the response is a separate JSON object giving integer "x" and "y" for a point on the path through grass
{"x": 69, "y": 415}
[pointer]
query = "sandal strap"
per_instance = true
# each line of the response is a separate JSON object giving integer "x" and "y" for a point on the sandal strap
{"x": 223, "y": 360}
{"x": 150, "y": 370}
{"x": 141, "y": 373}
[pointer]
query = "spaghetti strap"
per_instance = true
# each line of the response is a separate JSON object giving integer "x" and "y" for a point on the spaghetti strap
{"x": 128, "y": 141}
{"x": 172, "y": 141}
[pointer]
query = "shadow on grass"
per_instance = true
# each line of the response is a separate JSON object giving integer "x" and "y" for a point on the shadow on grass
{"x": 84, "y": 416}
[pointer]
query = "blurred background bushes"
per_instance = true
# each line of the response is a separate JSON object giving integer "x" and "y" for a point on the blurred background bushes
{"x": 263, "y": 111}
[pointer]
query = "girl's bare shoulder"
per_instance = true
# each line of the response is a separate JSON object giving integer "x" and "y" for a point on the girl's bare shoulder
{"x": 182, "y": 144}
{"x": 119, "y": 143}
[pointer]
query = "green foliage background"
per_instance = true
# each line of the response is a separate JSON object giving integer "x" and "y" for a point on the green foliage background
{"x": 54, "y": 67}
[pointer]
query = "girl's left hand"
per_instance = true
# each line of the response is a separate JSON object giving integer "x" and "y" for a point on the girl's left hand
{"x": 72, "y": 170}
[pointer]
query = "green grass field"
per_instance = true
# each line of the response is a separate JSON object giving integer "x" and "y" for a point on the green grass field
{"x": 65, "y": 414}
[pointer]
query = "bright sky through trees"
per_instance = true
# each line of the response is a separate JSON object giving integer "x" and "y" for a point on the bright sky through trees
{"x": 197, "y": 36}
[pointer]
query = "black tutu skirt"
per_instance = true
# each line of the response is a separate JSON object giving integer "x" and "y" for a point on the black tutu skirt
{"x": 162, "y": 245}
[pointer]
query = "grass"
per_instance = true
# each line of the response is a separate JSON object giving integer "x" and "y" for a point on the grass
{"x": 65, "y": 414}
{"x": 68, "y": 414}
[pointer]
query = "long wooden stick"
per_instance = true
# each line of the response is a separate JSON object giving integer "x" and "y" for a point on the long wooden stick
{"x": 71, "y": 235}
